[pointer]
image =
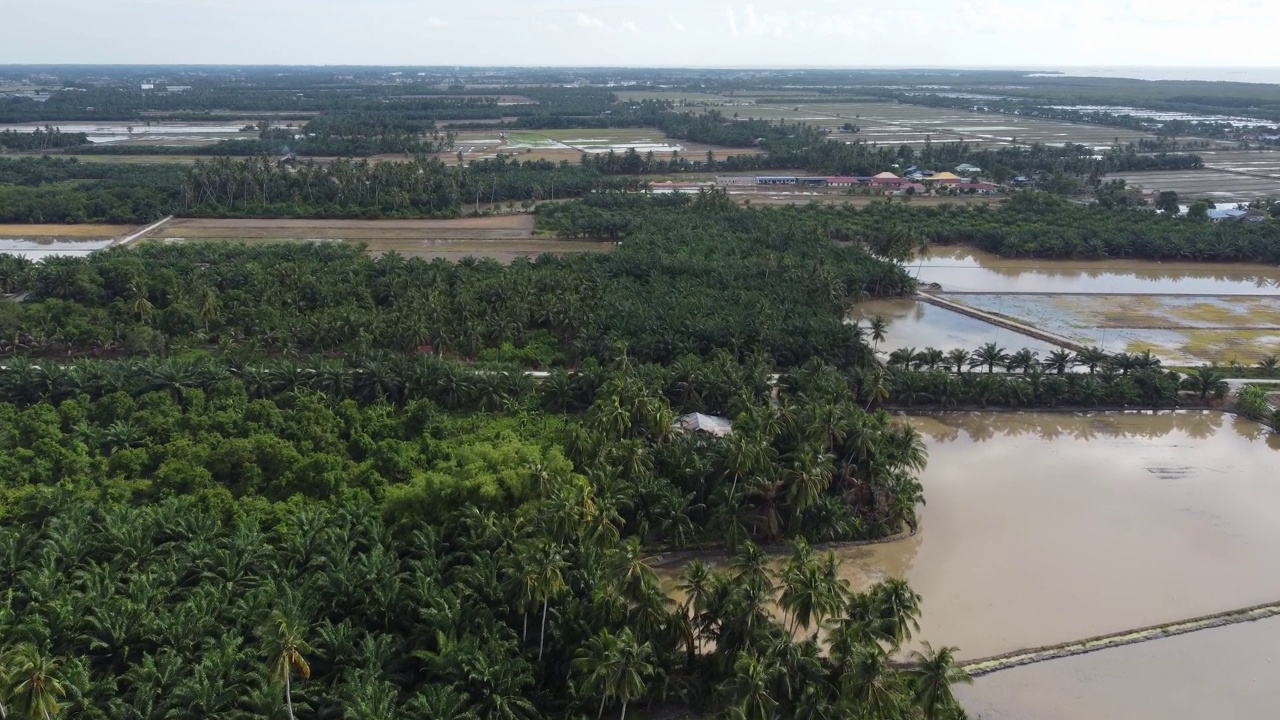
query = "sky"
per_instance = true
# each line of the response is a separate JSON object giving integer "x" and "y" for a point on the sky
{"x": 686, "y": 33}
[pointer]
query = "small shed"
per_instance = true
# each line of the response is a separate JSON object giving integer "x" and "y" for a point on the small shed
{"x": 967, "y": 169}
{"x": 710, "y": 424}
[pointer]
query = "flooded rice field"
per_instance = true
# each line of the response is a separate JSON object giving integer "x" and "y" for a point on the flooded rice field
{"x": 45, "y": 247}
{"x": 1186, "y": 313}
{"x": 1042, "y": 528}
{"x": 1220, "y": 186}
{"x": 1180, "y": 329}
{"x": 1226, "y": 672}
{"x": 172, "y": 133}
{"x": 915, "y": 324}
{"x": 965, "y": 269}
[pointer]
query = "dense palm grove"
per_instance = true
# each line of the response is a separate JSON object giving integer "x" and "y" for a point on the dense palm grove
{"x": 295, "y": 481}
{"x": 704, "y": 276}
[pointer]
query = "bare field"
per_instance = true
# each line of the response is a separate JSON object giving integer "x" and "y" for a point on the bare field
{"x": 502, "y": 238}
{"x": 20, "y": 230}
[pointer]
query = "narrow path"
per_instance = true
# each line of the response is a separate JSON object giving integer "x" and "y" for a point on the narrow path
{"x": 996, "y": 663}
{"x": 121, "y": 241}
{"x": 1001, "y": 322}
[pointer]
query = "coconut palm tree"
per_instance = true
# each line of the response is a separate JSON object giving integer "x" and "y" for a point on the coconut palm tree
{"x": 934, "y": 673}
{"x": 550, "y": 564}
{"x": 751, "y": 687}
{"x": 878, "y": 328}
{"x": 633, "y": 667}
{"x": 596, "y": 664}
{"x": 868, "y": 682}
{"x": 899, "y": 606}
{"x": 286, "y": 646}
{"x": 615, "y": 667}
{"x": 35, "y": 684}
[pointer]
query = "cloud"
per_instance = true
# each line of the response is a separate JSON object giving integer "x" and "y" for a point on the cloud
{"x": 435, "y": 22}
{"x": 746, "y": 21}
{"x": 676, "y": 24}
{"x": 587, "y": 22}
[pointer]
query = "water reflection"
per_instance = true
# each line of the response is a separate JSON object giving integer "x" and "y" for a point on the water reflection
{"x": 984, "y": 426}
{"x": 965, "y": 269}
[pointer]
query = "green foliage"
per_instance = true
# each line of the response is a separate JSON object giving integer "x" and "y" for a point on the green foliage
{"x": 698, "y": 278}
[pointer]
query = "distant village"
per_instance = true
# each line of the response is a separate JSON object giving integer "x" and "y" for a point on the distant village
{"x": 913, "y": 181}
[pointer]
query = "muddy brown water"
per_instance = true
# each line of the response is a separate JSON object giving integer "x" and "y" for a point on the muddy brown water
{"x": 1043, "y": 528}
{"x": 1226, "y": 672}
{"x": 965, "y": 269}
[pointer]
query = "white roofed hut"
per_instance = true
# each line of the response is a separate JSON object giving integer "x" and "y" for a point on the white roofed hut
{"x": 710, "y": 424}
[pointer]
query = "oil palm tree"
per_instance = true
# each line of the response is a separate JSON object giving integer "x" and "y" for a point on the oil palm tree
{"x": 934, "y": 673}
{"x": 286, "y": 646}
{"x": 1023, "y": 360}
{"x": 989, "y": 356}
{"x": 1268, "y": 365}
{"x": 1092, "y": 358}
{"x": 958, "y": 359}
{"x": 1206, "y": 381}
{"x": 1058, "y": 361}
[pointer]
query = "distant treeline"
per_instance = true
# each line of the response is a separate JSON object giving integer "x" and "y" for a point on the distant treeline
{"x": 48, "y": 138}
{"x": 1029, "y": 224}
{"x": 64, "y": 191}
